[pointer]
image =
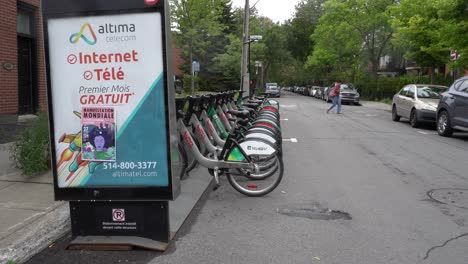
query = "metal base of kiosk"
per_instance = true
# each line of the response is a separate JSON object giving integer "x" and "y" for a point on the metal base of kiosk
{"x": 115, "y": 243}
{"x": 115, "y": 225}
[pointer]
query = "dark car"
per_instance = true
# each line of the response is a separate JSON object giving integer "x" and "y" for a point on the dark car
{"x": 452, "y": 112}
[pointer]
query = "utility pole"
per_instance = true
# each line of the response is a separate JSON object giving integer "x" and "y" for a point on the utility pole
{"x": 245, "y": 82}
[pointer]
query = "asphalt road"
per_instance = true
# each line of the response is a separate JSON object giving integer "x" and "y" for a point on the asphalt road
{"x": 355, "y": 190}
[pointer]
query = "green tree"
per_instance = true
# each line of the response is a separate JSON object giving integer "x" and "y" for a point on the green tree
{"x": 361, "y": 27}
{"x": 417, "y": 25}
{"x": 338, "y": 51}
{"x": 453, "y": 28}
{"x": 197, "y": 25}
{"x": 271, "y": 51}
{"x": 212, "y": 77}
{"x": 301, "y": 27}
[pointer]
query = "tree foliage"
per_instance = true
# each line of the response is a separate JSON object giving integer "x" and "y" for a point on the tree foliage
{"x": 198, "y": 26}
{"x": 417, "y": 32}
{"x": 454, "y": 28}
{"x": 349, "y": 30}
{"x": 299, "y": 29}
{"x": 324, "y": 39}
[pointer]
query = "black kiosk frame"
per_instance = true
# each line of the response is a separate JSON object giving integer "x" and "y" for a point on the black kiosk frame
{"x": 118, "y": 215}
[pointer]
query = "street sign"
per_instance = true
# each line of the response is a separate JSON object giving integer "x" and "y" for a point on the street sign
{"x": 256, "y": 37}
{"x": 111, "y": 110}
{"x": 195, "y": 66}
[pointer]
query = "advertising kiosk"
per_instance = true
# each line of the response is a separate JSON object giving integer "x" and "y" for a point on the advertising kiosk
{"x": 112, "y": 118}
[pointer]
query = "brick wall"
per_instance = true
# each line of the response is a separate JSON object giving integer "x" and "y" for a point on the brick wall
{"x": 8, "y": 53}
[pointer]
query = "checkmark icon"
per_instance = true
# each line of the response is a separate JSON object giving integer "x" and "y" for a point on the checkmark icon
{"x": 72, "y": 59}
{"x": 88, "y": 75}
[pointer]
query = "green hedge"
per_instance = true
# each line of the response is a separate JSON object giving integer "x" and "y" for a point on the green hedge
{"x": 386, "y": 87}
{"x": 31, "y": 150}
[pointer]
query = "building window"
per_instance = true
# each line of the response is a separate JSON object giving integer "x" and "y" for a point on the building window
{"x": 24, "y": 23}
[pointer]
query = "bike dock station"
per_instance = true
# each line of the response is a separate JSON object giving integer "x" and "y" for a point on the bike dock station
{"x": 113, "y": 124}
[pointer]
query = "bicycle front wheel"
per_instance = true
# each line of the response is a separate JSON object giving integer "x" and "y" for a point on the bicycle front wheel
{"x": 259, "y": 186}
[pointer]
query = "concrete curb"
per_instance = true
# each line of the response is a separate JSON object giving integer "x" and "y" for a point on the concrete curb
{"x": 37, "y": 233}
{"x": 376, "y": 105}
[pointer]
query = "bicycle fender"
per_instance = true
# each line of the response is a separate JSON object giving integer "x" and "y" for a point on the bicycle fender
{"x": 257, "y": 146}
{"x": 262, "y": 136}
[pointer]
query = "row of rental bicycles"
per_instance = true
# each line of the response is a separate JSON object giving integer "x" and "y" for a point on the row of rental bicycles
{"x": 232, "y": 136}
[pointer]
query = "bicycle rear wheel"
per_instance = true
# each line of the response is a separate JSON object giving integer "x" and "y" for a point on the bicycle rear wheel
{"x": 266, "y": 181}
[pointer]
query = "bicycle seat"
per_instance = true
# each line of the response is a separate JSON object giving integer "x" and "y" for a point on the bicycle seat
{"x": 251, "y": 105}
{"x": 241, "y": 114}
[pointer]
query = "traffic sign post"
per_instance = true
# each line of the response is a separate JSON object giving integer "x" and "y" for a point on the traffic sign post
{"x": 112, "y": 115}
{"x": 195, "y": 68}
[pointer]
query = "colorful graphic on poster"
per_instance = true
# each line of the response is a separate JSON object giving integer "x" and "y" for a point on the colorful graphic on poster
{"x": 120, "y": 67}
{"x": 98, "y": 134}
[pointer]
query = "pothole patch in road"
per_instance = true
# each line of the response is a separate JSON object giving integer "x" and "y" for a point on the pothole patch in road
{"x": 315, "y": 213}
{"x": 457, "y": 197}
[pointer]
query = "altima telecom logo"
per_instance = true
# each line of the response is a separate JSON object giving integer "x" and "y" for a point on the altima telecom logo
{"x": 76, "y": 36}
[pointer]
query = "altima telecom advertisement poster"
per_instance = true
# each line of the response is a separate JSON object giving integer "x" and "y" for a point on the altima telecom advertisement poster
{"x": 108, "y": 100}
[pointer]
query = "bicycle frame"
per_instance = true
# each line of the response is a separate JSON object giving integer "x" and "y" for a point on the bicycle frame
{"x": 212, "y": 163}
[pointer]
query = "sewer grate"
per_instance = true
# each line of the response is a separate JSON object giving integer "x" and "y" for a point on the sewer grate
{"x": 315, "y": 213}
{"x": 457, "y": 197}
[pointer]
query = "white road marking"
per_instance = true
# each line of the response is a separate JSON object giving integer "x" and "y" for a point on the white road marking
{"x": 288, "y": 106}
{"x": 284, "y": 119}
{"x": 293, "y": 140}
{"x": 426, "y": 133}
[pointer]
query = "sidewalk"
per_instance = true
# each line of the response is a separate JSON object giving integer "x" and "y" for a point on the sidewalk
{"x": 377, "y": 105}
{"x": 30, "y": 219}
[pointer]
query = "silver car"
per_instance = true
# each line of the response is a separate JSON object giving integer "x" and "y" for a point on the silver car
{"x": 349, "y": 94}
{"x": 417, "y": 102}
{"x": 272, "y": 89}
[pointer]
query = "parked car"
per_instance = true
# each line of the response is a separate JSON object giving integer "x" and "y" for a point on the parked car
{"x": 452, "y": 111}
{"x": 319, "y": 93}
{"x": 417, "y": 102}
{"x": 325, "y": 93}
{"x": 300, "y": 90}
{"x": 272, "y": 89}
{"x": 313, "y": 90}
{"x": 349, "y": 94}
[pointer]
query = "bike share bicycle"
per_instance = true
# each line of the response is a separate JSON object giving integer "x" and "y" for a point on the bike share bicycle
{"x": 253, "y": 165}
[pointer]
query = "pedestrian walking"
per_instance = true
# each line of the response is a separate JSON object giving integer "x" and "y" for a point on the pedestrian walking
{"x": 335, "y": 94}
